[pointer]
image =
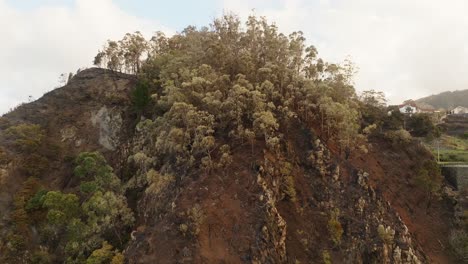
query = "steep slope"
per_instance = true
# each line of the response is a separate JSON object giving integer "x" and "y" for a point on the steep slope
{"x": 446, "y": 100}
{"x": 248, "y": 215}
{"x": 90, "y": 113}
{"x": 228, "y": 145}
{"x": 265, "y": 207}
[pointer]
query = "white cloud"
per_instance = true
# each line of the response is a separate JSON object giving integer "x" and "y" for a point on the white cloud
{"x": 40, "y": 44}
{"x": 409, "y": 49}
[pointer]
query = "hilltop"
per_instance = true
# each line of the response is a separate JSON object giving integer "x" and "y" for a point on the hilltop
{"x": 446, "y": 100}
{"x": 219, "y": 145}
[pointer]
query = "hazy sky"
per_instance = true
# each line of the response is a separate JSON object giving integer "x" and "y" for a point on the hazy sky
{"x": 406, "y": 48}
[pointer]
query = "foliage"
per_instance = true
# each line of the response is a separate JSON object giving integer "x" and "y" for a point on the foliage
{"x": 326, "y": 257}
{"x": 334, "y": 227}
{"x": 421, "y": 125}
{"x": 157, "y": 182}
{"x": 41, "y": 257}
{"x": 459, "y": 243}
{"x": 399, "y": 137}
{"x": 429, "y": 179}
{"x": 124, "y": 55}
{"x": 93, "y": 166}
{"x": 141, "y": 96}
{"x": 107, "y": 212}
{"x": 288, "y": 186}
{"x": 105, "y": 255}
{"x": 394, "y": 120}
{"x": 25, "y": 137}
{"x": 450, "y": 149}
{"x": 61, "y": 207}
{"x": 36, "y": 201}
{"x": 372, "y": 108}
{"x": 72, "y": 226}
{"x": 290, "y": 189}
{"x": 196, "y": 216}
{"x": 464, "y": 136}
{"x": 248, "y": 84}
{"x": 386, "y": 234}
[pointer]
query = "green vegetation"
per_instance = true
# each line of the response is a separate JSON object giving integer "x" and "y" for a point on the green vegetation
{"x": 334, "y": 227}
{"x": 204, "y": 93}
{"x": 429, "y": 179}
{"x": 72, "y": 225}
{"x": 141, "y": 96}
{"x": 450, "y": 149}
{"x": 386, "y": 234}
{"x": 26, "y": 138}
{"x": 326, "y": 257}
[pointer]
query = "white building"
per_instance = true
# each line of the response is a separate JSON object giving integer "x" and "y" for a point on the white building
{"x": 460, "y": 110}
{"x": 408, "y": 109}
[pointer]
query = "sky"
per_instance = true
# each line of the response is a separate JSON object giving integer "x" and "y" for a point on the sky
{"x": 405, "y": 48}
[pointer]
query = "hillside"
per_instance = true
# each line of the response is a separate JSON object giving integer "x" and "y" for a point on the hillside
{"x": 447, "y": 100}
{"x": 223, "y": 145}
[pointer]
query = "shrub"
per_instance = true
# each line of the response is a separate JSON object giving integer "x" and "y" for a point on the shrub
{"x": 326, "y": 257}
{"x": 101, "y": 255}
{"x": 386, "y": 234}
{"x": 4, "y": 123}
{"x": 289, "y": 188}
{"x": 464, "y": 135}
{"x": 398, "y": 137}
{"x": 158, "y": 182}
{"x": 4, "y": 159}
{"x": 459, "y": 243}
{"x": 141, "y": 96}
{"x": 41, "y": 257}
{"x": 36, "y": 201}
{"x": 26, "y": 138}
{"x": 334, "y": 227}
{"x": 197, "y": 217}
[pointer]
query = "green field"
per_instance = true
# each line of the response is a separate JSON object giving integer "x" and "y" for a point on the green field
{"x": 451, "y": 149}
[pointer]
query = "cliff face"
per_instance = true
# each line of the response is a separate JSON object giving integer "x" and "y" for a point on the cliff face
{"x": 302, "y": 204}
{"x": 89, "y": 113}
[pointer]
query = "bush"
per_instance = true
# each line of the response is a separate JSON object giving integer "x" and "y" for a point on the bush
{"x": 41, "y": 257}
{"x": 398, "y": 137}
{"x": 459, "y": 243}
{"x": 4, "y": 159}
{"x": 326, "y": 257}
{"x": 464, "y": 136}
{"x": 290, "y": 188}
{"x": 141, "y": 96}
{"x": 26, "y": 138}
{"x": 386, "y": 234}
{"x": 334, "y": 228}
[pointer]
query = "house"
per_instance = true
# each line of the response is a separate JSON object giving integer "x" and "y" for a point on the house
{"x": 460, "y": 110}
{"x": 409, "y": 107}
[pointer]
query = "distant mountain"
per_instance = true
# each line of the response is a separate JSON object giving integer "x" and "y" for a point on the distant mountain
{"x": 446, "y": 100}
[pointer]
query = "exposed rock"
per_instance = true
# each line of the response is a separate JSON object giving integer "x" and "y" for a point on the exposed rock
{"x": 109, "y": 123}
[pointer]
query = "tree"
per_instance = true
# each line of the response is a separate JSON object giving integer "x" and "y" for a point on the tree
{"x": 265, "y": 123}
{"x": 429, "y": 179}
{"x": 421, "y": 125}
{"x": 133, "y": 48}
{"x": 107, "y": 212}
{"x": 141, "y": 96}
{"x": 26, "y": 138}
{"x": 61, "y": 207}
{"x": 93, "y": 166}
{"x": 102, "y": 255}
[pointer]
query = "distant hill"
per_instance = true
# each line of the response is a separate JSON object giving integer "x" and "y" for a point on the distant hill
{"x": 446, "y": 100}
